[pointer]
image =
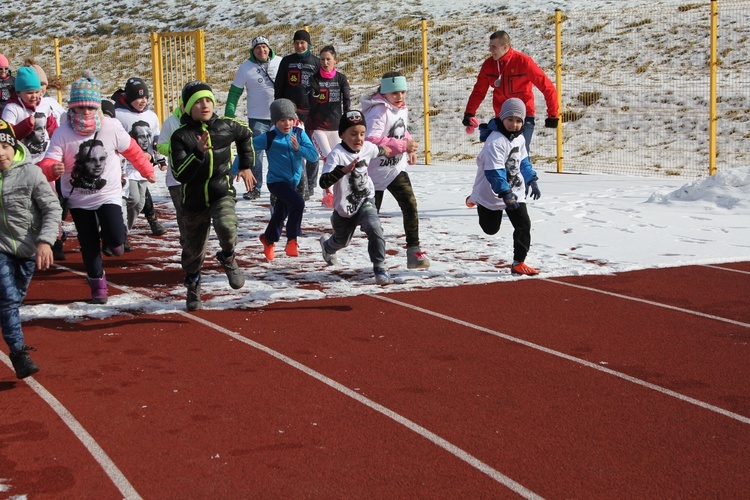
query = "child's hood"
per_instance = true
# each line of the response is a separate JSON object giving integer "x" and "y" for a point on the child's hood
{"x": 20, "y": 158}
{"x": 370, "y": 101}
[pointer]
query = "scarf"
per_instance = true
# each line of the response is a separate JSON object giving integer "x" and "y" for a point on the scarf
{"x": 84, "y": 125}
{"x": 328, "y": 74}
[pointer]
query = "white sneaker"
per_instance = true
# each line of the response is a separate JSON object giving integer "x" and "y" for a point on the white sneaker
{"x": 382, "y": 277}
{"x": 330, "y": 258}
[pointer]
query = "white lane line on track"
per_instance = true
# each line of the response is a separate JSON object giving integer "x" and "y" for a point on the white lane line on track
{"x": 101, "y": 457}
{"x": 650, "y": 302}
{"x": 454, "y": 450}
{"x": 726, "y": 269}
{"x": 412, "y": 426}
{"x": 642, "y": 383}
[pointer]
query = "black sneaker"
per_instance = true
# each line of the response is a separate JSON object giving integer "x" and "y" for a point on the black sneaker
{"x": 22, "y": 363}
{"x": 234, "y": 273}
{"x": 253, "y": 194}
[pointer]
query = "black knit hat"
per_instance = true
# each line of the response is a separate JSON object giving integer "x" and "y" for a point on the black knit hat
{"x": 302, "y": 35}
{"x": 108, "y": 108}
{"x": 7, "y": 134}
{"x": 192, "y": 91}
{"x": 350, "y": 119}
{"x": 135, "y": 88}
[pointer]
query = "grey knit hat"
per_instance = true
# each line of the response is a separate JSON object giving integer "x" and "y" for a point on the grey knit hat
{"x": 283, "y": 108}
{"x": 513, "y": 107}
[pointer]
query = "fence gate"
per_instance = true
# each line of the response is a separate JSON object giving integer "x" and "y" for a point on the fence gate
{"x": 177, "y": 58}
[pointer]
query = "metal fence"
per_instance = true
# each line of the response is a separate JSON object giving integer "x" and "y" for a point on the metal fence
{"x": 636, "y": 83}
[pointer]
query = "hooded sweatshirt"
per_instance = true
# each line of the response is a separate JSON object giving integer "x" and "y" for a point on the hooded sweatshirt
{"x": 29, "y": 209}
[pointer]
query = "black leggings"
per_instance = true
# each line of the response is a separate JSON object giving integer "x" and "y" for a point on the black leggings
{"x": 97, "y": 228}
{"x": 489, "y": 221}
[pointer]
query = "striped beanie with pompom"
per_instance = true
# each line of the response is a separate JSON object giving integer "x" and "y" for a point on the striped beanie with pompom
{"x": 86, "y": 92}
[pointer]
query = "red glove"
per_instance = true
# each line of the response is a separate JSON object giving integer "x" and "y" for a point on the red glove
{"x": 472, "y": 126}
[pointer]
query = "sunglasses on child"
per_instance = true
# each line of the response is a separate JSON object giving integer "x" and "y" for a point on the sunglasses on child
{"x": 4, "y": 69}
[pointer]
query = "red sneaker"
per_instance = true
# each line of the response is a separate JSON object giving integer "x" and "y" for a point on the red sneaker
{"x": 292, "y": 248}
{"x": 327, "y": 198}
{"x": 268, "y": 248}
{"x": 523, "y": 269}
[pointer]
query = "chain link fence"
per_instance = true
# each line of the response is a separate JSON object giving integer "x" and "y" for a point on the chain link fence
{"x": 635, "y": 81}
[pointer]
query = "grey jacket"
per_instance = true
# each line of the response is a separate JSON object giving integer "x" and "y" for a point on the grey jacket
{"x": 29, "y": 210}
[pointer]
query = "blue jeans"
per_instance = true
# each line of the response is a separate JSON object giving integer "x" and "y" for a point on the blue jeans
{"x": 528, "y": 131}
{"x": 15, "y": 276}
{"x": 258, "y": 127}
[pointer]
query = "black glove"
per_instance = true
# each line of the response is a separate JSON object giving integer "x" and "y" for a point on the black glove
{"x": 535, "y": 193}
{"x": 467, "y": 117}
{"x": 551, "y": 122}
{"x": 511, "y": 201}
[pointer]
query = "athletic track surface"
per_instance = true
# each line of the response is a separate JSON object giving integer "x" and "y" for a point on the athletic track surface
{"x": 634, "y": 385}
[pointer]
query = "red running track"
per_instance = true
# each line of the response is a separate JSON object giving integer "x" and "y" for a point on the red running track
{"x": 628, "y": 386}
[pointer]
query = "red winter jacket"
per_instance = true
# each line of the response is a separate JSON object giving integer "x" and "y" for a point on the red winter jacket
{"x": 519, "y": 73}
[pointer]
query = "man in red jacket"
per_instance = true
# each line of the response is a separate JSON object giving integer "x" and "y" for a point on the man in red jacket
{"x": 511, "y": 74}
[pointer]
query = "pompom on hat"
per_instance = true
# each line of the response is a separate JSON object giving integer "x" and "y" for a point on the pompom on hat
{"x": 27, "y": 79}
{"x": 350, "y": 119}
{"x": 86, "y": 92}
{"x": 513, "y": 107}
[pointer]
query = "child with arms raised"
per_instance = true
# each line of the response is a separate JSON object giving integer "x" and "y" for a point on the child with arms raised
{"x": 291, "y": 146}
{"x": 346, "y": 173}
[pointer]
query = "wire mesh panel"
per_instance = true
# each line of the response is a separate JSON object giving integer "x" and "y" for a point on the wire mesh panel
{"x": 635, "y": 80}
{"x": 178, "y": 53}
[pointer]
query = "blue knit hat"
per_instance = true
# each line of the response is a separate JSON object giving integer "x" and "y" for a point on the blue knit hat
{"x": 393, "y": 84}
{"x": 27, "y": 79}
{"x": 86, "y": 91}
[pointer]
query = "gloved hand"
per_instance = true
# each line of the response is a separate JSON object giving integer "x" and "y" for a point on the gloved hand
{"x": 535, "y": 193}
{"x": 551, "y": 122}
{"x": 472, "y": 126}
{"x": 467, "y": 119}
{"x": 511, "y": 201}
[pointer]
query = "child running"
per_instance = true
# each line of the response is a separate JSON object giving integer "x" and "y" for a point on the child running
{"x": 387, "y": 125}
{"x": 85, "y": 149}
{"x": 286, "y": 147}
{"x": 31, "y": 215}
{"x": 202, "y": 160}
{"x": 329, "y": 98}
{"x": 504, "y": 178}
{"x": 346, "y": 172}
